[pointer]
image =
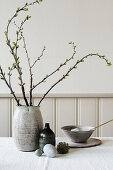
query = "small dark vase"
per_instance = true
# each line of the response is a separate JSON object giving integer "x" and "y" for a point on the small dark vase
{"x": 47, "y": 136}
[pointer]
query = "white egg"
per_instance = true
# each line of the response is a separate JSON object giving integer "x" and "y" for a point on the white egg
{"x": 49, "y": 150}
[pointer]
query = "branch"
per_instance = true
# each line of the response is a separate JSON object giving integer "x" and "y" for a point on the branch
{"x": 30, "y": 68}
{"x": 61, "y": 65}
{"x": 9, "y": 73}
{"x": 16, "y": 46}
{"x": 24, "y": 8}
{"x": 18, "y": 67}
{"x": 28, "y": 58}
{"x": 74, "y": 67}
{"x": 2, "y": 76}
{"x": 38, "y": 57}
{"x": 17, "y": 62}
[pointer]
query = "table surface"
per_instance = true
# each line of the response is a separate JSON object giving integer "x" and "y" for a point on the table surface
{"x": 94, "y": 158}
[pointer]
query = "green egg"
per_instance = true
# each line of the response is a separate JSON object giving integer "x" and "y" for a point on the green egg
{"x": 38, "y": 152}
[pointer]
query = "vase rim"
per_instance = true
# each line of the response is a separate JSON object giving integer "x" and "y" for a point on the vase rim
{"x": 28, "y": 106}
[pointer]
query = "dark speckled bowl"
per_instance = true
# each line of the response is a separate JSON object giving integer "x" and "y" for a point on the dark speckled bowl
{"x": 80, "y": 136}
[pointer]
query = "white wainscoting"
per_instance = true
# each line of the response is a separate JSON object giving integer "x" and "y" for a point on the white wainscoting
{"x": 64, "y": 109}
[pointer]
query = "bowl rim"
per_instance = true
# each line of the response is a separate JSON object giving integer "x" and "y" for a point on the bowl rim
{"x": 74, "y": 126}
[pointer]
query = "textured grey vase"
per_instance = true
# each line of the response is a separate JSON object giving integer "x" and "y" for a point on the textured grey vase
{"x": 27, "y": 125}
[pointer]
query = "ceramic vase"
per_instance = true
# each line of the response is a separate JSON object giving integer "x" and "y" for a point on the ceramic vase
{"x": 27, "y": 125}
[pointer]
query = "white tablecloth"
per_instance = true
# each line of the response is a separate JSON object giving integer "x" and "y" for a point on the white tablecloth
{"x": 95, "y": 158}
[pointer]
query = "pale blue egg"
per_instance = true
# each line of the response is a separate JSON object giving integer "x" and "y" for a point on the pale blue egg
{"x": 49, "y": 150}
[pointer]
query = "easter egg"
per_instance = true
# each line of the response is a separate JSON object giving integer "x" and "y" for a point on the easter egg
{"x": 49, "y": 150}
{"x": 38, "y": 152}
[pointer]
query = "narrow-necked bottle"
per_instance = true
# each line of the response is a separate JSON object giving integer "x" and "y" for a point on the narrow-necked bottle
{"x": 47, "y": 136}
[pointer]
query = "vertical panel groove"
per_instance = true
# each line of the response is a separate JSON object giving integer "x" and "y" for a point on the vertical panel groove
{"x": 10, "y": 117}
{"x": 56, "y": 122}
{"x": 76, "y": 111}
{"x": 100, "y": 116}
{"x": 54, "y": 116}
{"x": 97, "y": 132}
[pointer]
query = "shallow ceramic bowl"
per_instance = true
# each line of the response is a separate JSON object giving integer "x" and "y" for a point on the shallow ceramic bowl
{"x": 80, "y": 136}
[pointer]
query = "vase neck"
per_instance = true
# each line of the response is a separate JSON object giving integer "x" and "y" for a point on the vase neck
{"x": 47, "y": 126}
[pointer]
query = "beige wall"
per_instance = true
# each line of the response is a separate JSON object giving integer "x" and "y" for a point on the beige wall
{"x": 54, "y": 23}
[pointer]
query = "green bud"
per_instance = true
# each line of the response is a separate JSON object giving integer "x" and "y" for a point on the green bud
{"x": 13, "y": 43}
{"x": 25, "y": 9}
{"x": 9, "y": 68}
{"x": 22, "y": 22}
{"x": 20, "y": 38}
{"x": 5, "y": 32}
{"x": 36, "y": 1}
{"x": 109, "y": 64}
{"x": 16, "y": 15}
{"x": 17, "y": 58}
{"x": 7, "y": 42}
{"x": 70, "y": 69}
{"x": 17, "y": 9}
{"x": 17, "y": 46}
{"x": 11, "y": 52}
{"x": 14, "y": 64}
{"x": 9, "y": 74}
{"x": 28, "y": 17}
{"x": 18, "y": 62}
{"x": 70, "y": 42}
{"x": 13, "y": 47}
{"x": 13, "y": 67}
{"x": 19, "y": 84}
